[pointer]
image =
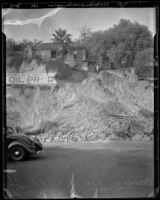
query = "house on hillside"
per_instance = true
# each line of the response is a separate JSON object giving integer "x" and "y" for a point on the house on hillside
{"x": 74, "y": 56}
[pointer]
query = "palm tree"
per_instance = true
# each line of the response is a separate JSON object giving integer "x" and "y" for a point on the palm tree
{"x": 63, "y": 39}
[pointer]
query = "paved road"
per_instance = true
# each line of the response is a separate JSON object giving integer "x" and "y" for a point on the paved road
{"x": 86, "y": 169}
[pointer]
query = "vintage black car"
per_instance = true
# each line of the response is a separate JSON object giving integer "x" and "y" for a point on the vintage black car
{"x": 21, "y": 146}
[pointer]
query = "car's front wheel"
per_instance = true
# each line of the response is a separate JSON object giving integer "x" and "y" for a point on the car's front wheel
{"x": 17, "y": 153}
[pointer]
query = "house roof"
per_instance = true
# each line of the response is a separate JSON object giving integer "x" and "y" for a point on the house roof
{"x": 55, "y": 46}
{"x": 76, "y": 47}
{"x": 48, "y": 46}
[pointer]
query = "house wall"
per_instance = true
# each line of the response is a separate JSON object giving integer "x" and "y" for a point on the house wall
{"x": 69, "y": 60}
{"x": 75, "y": 57}
{"x": 80, "y": 55}
{"x": 44, "y": 53}
{"x": 84, "y": 66}
{"x": 72, "y": 58}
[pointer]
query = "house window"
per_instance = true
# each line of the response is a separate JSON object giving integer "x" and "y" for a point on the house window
{"x": 53, "y": 54}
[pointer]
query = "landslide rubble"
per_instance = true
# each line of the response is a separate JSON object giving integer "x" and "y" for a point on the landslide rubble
{"x": 103, "y": 106}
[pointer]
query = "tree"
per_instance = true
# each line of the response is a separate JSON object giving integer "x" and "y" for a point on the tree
{"x": 19, "y": 51}
{"x": 63, "y": 39}
{"x": 13, "y": 45}
{"x": 36, "y": 42}
{"x": 118, "y": 46}
{"x": 132, "y": 37}
{"x": 10, "y": 45}
{"x": 95, "y": 45}
{"x": 144, "y": 63}
{"x": 85, "y": 33}
{"x": 27, "y": 43}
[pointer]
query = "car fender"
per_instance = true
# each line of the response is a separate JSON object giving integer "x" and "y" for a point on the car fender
{"x": 25, "y": 146}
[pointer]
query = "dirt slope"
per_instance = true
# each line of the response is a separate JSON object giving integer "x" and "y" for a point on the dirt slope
{"x": 95, "y": 107}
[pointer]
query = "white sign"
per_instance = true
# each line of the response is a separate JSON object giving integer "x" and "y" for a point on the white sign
{"x": 30, "y": 78}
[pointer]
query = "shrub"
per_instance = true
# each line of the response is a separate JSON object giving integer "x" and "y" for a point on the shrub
{"x": 64, "y": 72}
{"x": 17, "y": 62}
{"x": 144, "y": 64}
{"x": 37, "y": 58}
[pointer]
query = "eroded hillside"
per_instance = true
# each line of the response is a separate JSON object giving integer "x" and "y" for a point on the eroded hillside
{"x": 100, "y": 106}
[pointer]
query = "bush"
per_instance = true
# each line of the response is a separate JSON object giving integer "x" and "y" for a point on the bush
{"x": 17, "y": 62}
{"x": 64, "y": 72}
{"x": 37, "y": 58}
{"x": 144, "y": 64}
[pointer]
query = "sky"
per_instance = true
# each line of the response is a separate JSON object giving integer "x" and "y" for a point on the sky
{"x": 17, "y": 24}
